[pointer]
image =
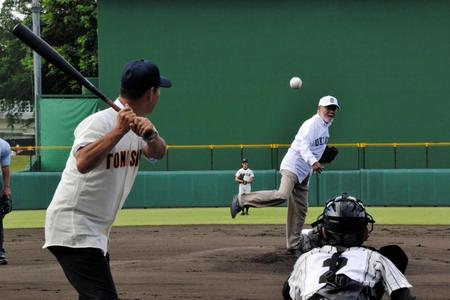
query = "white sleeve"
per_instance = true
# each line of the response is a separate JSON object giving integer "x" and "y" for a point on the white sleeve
{"x": 392, "y": 278}
{"x": 295, "y": 279}
{"x": 251, "y": 173}
{"x": 88, "y": 131}
{"x": 238, "y": 173}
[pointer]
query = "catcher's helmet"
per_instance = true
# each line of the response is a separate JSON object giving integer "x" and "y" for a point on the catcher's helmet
{"x": 345, "y": 220}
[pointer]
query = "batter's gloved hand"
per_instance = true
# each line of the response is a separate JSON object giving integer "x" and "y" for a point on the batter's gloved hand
{"x": 5, "y": 205}
{"x": 328, "y": 155}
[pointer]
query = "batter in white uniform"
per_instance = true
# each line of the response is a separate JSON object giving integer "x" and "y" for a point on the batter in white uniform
{"x": 98, "y": 177}
{"x": 296, "y": 168}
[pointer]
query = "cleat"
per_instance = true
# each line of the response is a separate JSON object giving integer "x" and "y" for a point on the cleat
{"x": 235, "y": 207}
{"x": 3, "y": 260}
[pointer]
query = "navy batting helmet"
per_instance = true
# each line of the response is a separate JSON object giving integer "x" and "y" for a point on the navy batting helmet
{"x": 345, "y": 221}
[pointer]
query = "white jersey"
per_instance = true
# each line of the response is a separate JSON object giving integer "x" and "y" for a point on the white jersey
{"x": 85, "y": 206}
{"x": 307, "y": 147}
{"x": 248, "y": 176}
{"x": 363, "y": 265}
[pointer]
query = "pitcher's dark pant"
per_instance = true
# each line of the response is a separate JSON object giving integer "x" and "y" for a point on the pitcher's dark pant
{"x": 88, "y": 271}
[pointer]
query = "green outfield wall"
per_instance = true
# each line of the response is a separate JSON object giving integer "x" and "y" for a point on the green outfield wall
{"x": 59, "y": 116}
{"x": 230, "y": 62}
{"x": 215, "y": 188}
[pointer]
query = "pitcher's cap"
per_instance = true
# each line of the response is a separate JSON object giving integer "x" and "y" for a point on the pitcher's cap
{"x": 140, "y": 75}
{"x": 328, "y": 100}
{"x": 244, "y": 160}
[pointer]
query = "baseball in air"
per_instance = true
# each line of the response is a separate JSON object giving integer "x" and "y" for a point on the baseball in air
{"x": 295, "y": 83}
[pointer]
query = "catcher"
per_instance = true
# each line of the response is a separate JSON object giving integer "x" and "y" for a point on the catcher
{"x": 339, "y": 267}
{"x": 5, "y": 200}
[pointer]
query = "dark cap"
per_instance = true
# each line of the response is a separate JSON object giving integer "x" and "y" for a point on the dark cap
{"x": 244, "y": 160}
{"x": 140, "y": 75}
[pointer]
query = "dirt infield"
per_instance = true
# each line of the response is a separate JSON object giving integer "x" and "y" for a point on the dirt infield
{"x": 209, "y": 262}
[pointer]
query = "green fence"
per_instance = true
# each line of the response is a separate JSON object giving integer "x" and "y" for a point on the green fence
{"x": 215, "y": 188}
{"x": 268, "y": 156}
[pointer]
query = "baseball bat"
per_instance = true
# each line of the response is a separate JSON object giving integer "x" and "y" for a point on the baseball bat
{"x": 51, "y": 55}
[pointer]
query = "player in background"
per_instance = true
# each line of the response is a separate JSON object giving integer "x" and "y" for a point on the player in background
{"x": 343, "y": 268}
{"x": 296, "y": 169}
{"x": 98, "y": 177}
{"x": 5, "y": 201}
{"x": 244, "y": 176}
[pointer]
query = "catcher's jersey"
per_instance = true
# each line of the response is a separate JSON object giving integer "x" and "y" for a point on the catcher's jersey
{"x": 363, "y": 265}
{"x": 5, "y": 153}
{"x": 307, "y": 147}
{"x": 84, "y": 206}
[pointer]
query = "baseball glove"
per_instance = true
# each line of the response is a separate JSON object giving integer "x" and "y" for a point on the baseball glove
{"x": 328, "y": 155}
{"x": 5, "y": 205}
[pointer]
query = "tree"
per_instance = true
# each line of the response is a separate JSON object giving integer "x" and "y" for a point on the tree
{"x": 16, "y": 67}
{"x": 69, "y": 26}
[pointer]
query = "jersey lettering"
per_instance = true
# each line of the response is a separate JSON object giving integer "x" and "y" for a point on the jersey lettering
{"x": 135, "y": 156}
{"x": 334, "y": 265}
{"x": 320, "y": 141}
{"x": 123, "y": 158}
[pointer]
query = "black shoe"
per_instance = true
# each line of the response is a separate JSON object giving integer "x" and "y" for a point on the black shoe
{"x": 235, "y": 206}
{"x": 3, "y": 260}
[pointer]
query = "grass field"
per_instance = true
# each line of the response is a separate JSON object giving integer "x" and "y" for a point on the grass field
{"x": 275, "y": 215}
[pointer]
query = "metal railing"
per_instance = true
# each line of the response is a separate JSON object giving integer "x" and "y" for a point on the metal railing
{"x": 274, "y": 150}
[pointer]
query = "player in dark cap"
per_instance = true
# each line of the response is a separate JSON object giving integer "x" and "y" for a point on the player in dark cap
{"x": 98, "y": 177}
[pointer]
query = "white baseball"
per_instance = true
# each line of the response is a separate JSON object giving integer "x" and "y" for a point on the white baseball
{"x": 295, "y": 83}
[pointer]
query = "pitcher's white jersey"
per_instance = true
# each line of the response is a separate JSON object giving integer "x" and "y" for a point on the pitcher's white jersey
{"x": 363, "y": 265}
{"x": 85, "y": 206}
{"x": 307, "y": 147}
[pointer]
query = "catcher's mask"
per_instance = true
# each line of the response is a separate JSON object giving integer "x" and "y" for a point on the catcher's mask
{"x": 345, "y": 220}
